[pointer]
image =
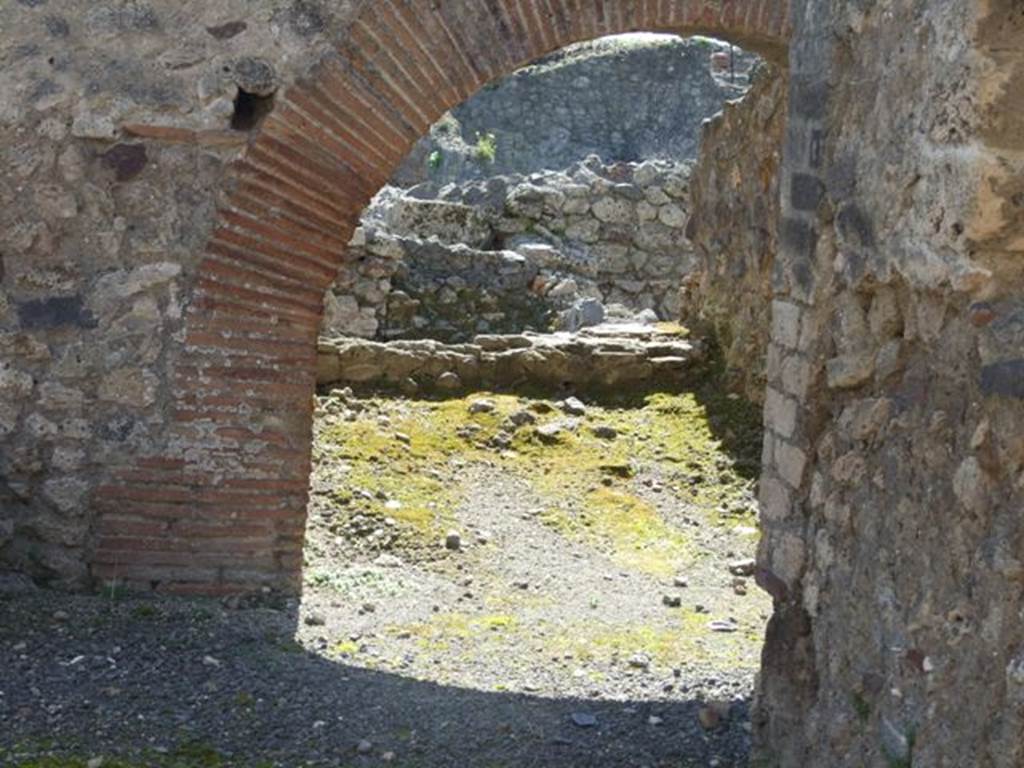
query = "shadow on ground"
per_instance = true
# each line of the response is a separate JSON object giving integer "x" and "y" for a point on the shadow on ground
{"x": 736, "y": 423}
{"x": 175, "y": 683}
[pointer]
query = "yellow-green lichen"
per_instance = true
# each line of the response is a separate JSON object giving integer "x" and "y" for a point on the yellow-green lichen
{"x": 442, "y": 630}
{"x": 405, "y": 466}
{"x": 672, "y": 329}
{"x": 684, "y": 640}
{"x": 630, "y": 528}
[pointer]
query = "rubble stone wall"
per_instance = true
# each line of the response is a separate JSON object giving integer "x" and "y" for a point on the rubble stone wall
{"x": 734, "y": 229}
{"x": 892, "y": 491}
{"x": 627, "y": 99}
{"x": 599, "y": 360}
{"x": 115, "y": 141}
{"x": 511, "y": 253}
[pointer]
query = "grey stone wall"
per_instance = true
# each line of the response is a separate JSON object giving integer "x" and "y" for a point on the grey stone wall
{"x": 517, "y": 253}
{"x": 603, "y": 359}
{"x": 115, "y": 130}
{"x": 891, "y": 494}
{"x": 734, "y": 229}
{"x": 624, "y": 98}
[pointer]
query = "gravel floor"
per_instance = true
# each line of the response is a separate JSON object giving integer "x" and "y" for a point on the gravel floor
{"x": 527, "y": 645}
{"x": 207, "y": 685}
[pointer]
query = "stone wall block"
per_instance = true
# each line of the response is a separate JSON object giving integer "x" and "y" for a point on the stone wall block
{"x": 790, "y": 462}
{"x": 780, "y": 413}
{"x": 786, "y": 323}
{"x": 795, "y": 376}
{"x": 776, "y": 499}
{"x": 851, "y": 370}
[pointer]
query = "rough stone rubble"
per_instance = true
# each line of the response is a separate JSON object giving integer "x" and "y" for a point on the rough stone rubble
{"x": 508, "y": 254}
{"x": 628, "y": 98}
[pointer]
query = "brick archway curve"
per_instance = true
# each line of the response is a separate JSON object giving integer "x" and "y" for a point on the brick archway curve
{"x": 221, "y": 508}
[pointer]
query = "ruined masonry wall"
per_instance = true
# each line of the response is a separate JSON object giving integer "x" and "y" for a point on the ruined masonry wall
{"x": 114, "y": 139}
{"x": 511, "y": 253}
{"x": 892, "y": 487}
{"x": 622, "y": 99}
{"x": 734, "y": 230}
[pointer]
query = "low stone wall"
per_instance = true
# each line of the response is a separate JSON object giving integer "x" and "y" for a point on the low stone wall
{"x": 734, "y": 229}
{"x": 513, "y": 253}
{"x": 603, "y": 357}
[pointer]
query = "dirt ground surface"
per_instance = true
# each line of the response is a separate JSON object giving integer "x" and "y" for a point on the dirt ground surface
{"x": 491, "y": 580}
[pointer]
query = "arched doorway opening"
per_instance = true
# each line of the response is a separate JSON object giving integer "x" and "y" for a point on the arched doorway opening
{"x": 525, "y": 542}
{"x": 229, "y": 486}
{"x": 236, "y": 453}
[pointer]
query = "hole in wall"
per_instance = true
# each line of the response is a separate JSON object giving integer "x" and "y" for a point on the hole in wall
{"x": 250, "y": 110}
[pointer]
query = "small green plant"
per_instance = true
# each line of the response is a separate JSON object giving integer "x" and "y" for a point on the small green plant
{"x": 434, "y": 160}
{"x": 486, "y": 149}
{"x": 199, "y": 754}
{"x": 861, "y": 706}
{"x": 145, "y": 611}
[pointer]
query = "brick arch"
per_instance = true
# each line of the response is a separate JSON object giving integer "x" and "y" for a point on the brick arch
{"x": 221, "y": 508}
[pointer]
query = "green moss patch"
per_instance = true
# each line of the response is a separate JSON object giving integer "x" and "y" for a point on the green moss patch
{"x": 682, "y": 641}
{"x": 401, "y": 460}
{"x": 629, "y": 527}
